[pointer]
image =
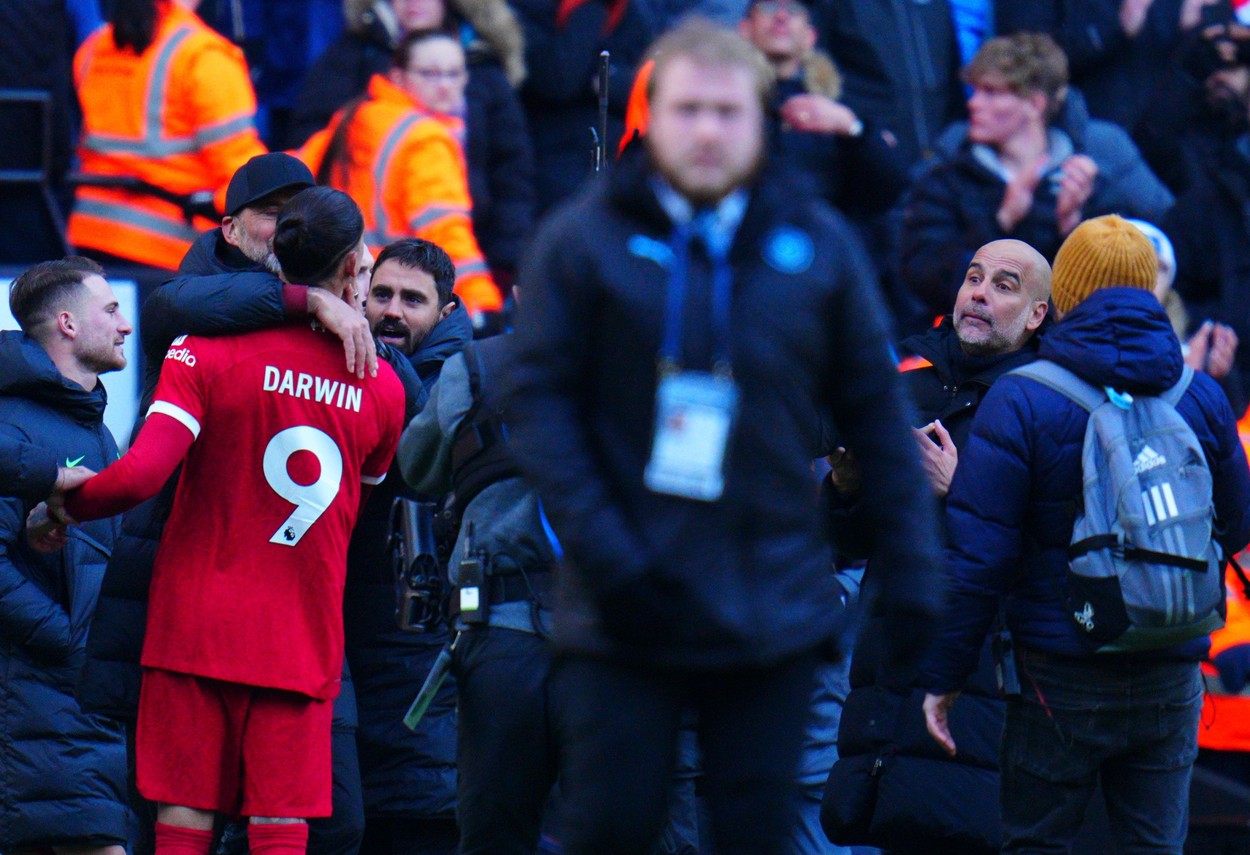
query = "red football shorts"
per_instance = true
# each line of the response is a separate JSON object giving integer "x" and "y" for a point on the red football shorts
{"x": 239, "y": 750}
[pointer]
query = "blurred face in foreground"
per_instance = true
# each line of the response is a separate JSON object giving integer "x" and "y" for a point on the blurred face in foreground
{"x": 707, "y": 128}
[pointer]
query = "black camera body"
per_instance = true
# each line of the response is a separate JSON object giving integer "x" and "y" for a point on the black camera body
{"x": 420, "y": 586}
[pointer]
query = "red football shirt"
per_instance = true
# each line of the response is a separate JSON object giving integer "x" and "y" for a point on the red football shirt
{"x": 248, "y": 580}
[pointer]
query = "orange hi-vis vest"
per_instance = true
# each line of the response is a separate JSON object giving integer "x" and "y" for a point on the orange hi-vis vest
{"x": 179, "y": 116}
{"x": 406, "y": 170}
{"x": 1225, "y": 724}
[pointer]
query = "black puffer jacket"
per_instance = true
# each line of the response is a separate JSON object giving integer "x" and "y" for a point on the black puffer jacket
{"x": 27, "y": 471}
{"x": 62, "y": 771}
{"x": 892, "y": 786}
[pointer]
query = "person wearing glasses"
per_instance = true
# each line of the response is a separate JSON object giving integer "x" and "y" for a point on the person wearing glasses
{"x": 398, "y": 151}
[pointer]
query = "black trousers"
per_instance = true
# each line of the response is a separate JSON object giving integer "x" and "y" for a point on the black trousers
{"x": 619, "y": 732}
{"x": 505, "y": 748}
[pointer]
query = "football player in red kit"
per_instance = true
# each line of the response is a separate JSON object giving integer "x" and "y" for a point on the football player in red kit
{"x": 244, "y": 642}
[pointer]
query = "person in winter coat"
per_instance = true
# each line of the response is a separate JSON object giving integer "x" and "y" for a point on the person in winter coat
{"x": 496, "y": 138}
{"x": 396, "y": 150}
{"x": 63, "y": 778}
{"x": 900, "y": 63}
{"x": 1023, "y": 167}
{"x": 167, "y": 101}
{"x": 695, "y": 574}
{"x": 891, "y": 786}
{"x": 1126, "y": 720}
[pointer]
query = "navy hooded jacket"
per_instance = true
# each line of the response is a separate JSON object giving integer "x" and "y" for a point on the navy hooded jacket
{"x": 62, "y": 771}
{"x": 1011, "y": 507}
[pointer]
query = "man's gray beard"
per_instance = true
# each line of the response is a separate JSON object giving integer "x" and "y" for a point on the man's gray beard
{"x": 271, "y": 263}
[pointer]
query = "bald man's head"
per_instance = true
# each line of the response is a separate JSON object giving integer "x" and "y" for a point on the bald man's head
{"x": 1003, "y": 299}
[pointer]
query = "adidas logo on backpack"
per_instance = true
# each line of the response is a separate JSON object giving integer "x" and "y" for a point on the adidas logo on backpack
{"x": 1148, "y": 459}
{"x": 1142, "y": 557}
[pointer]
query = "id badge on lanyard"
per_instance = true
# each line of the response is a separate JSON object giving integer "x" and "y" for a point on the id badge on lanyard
{"x": 695, "y": 411}
{"x": 694, "y": 418}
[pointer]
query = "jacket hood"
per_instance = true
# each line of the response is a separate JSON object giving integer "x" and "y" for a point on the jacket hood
{"x": 1118, "y": 337}
{"x": 26, "y": 371}
{"x": 449, "y": 336}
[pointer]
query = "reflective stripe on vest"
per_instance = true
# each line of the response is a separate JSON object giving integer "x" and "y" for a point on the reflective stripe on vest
{"x": 124, "y": 215}
{"x": 380, "y": 234}
{"x": 433, "y": 213}
{"x": 471, "y": 268}
{"x": 152, "y": 143}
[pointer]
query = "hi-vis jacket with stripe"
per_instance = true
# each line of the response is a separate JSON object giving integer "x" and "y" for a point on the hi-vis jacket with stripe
{"x": 1225, "y": 723}
{"x": 179, "y": 116}
{"x": 406, "y": 170}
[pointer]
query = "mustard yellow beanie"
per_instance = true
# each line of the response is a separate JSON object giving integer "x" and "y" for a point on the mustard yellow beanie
{"x": 1105, "y": 252}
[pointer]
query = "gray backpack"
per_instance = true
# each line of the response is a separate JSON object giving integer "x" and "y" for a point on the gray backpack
{"x": 1145, "y": 572}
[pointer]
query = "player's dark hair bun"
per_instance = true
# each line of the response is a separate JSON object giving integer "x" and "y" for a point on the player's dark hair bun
{"x": 315, "y": 230}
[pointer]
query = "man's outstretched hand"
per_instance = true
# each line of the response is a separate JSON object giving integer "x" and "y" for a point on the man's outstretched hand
{"x": 936, "y": 712}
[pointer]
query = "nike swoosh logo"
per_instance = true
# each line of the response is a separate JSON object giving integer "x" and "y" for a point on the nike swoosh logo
{"x": 70, "y": 464}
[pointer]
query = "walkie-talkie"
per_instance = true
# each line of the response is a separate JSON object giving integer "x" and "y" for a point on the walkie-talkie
{"x": 473, "y": 596}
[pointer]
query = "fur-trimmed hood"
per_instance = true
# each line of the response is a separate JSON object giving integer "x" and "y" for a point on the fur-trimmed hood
{"x": 495, "y": 24}
{"x": 820, "y": 75}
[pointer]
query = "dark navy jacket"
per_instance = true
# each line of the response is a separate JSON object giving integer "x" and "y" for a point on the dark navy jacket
{"x": 62, "y": 771}
{"x": 744, "y": 580}
{"x": 26, "y": 470}
{"x": 1011, "y": 508}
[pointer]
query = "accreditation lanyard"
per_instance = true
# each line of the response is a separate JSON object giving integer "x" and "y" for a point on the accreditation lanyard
{"x": 695, "y": 411}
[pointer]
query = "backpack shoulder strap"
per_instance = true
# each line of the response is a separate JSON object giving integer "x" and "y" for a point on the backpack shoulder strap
{"x": 1173, "y": 396}
{"x": 1054, "y": 376}
{"x": 473, "y": 365}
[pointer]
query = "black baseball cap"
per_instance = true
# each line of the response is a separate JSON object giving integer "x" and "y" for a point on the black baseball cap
{"x": 264, "y": 175}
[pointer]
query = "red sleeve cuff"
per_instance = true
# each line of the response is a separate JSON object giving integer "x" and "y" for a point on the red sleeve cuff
{"x": 295, "y": 300}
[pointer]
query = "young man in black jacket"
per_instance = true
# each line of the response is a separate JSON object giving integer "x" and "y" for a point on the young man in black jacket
{"x": 686, "y": 327}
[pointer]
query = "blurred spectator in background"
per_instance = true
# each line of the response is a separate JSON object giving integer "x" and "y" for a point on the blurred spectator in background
{"x": 1199, "y": 128}
{"x": 563, "y": 39}
{"x": 37, "y": 43}
{"x": 853, "y": 163}
{"x": 900, "y": 66}
{"x": 1117, "y": 48}
{"x": 399, "y": 156}
{"x": 1212, "y": 347}
{"x": 496, "y": 140}
{"x": 1029, "y": 164}
{"x": 168, "y": 109}
{"x": 281, "y": 39}
{"x": 1224, "y": 730}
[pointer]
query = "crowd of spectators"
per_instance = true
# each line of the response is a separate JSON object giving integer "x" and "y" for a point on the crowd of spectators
{"x": 936, "y": 129}
{"x": 873, "y": 104}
